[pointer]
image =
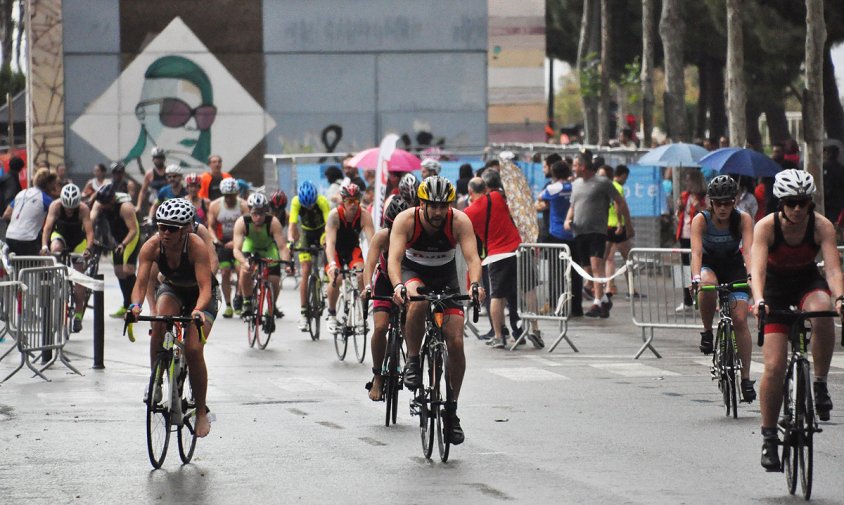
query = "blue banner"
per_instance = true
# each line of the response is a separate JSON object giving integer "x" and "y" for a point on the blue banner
{"x": 643, "y": 191}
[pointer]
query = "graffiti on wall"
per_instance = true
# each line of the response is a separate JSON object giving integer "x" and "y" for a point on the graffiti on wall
{"x": 47, "y": 82}
{"x": 178, "y": 96}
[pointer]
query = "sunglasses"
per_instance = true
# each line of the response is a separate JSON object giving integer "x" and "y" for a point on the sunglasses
{"x": 175, "y": 113}
{"x": 349, "y": 201}
{"x": 164, "y": 228}
{"x": 796, "y": 202}
{"x": 723, "y": 203}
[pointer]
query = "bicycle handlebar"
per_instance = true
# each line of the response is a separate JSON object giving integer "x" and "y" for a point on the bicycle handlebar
{"x": 444, "y": 296}
{"x": 127, "y": 326}
{"x": 795, "y": 318}
{"x": 729, "y": 286}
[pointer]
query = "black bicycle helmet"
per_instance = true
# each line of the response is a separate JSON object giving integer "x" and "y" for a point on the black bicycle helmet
{"x": 397, "y": 205}
{"x": 105, "y": 195}
{"x": 722, "y": 187}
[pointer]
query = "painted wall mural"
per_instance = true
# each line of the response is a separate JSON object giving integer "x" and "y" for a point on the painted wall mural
{"x": 176, "y": 95}
{"x": 47, "y": 81}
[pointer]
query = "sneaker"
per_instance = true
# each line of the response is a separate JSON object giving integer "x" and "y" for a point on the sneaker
{"x": 497, "y": 343}
{"x": 823, "y": 403}
{"x": 588, "y": 295}
{"x": 156, "y": 397}
{"x": 332, "y": 323}
{"x": 77, "y": 325}
{"x": 536, "y": 340}
{"x": 683, "y": 307}
{"x": 594, "y": 311}
{"x": 605, "y": 309}
{"x": 770, "y": 455}
{"x": 118, "y": 314}
{"x": 237, "y": 303}
{"x": 748, "y": 393}
{"x": 229, "y": 312}
{"x": 303, "y": 323}
{"x": 269, "y": 324}
{"x": 487, "y": 336}
{"x": 246, "y": 308}
{"x": 452, "y": 426}
{"x": 706, "y": 342}
{"x": 412, "y": 373}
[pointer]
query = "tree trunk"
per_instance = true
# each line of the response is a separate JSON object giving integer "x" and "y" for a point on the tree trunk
{"x": 672, "y": 31}
{"x": 703, "y": 98}
{"x": 752, "y": 133}
{"x": 833, "y": 113}
{"x": 717, "y": 100}
{"x": 21, "y": 30}
{"x": 587, "y": 57}
{"x": 777, "y": 124}
{"x": 604, "y": 133}
{"x": 6, "y": 32}
{"x": 813, "y": 120}
{"x": 736, "y": 94}
{"x": 647, "y": 70}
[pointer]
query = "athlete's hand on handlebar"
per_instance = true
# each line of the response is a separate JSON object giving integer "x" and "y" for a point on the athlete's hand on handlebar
{"x": 198, "y": 314}
{"x": 400, "y": 294}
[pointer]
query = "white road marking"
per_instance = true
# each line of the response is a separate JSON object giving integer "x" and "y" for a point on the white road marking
{"x": 755, "y": 367}
{"x": 544, "y": 361}
{"x": 632, "y": 369}
{"x": 527, "y": 374}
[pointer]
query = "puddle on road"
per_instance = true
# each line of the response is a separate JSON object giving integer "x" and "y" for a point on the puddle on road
{"x": 372, "y": 441}
{"x": 489, "y": 491}
{"x": 7, "y": 412}
{"x": 329, "y": 424}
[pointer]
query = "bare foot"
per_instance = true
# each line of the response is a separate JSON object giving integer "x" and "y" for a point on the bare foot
{"x": 203, "y": 427}
{"x": 375, "y": 391}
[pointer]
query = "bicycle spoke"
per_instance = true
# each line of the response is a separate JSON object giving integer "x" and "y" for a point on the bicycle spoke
{"x": 158, "y": 413}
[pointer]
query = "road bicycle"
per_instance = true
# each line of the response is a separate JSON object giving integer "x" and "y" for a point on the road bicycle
{"x": 392, "y": 368}
{"x": 799, "y": 422}
{"x": 432, "y": 396}
{"x": 70, "y": 259}
{"x": 260, "y": 320}
{"x": 726, "y": 363}
{"x": 315, "y": 296}
{"x": 351, "y": 323}
{"x": 169, "y": 399}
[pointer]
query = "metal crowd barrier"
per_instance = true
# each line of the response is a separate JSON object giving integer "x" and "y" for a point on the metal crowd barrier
{"x": 39, "y": 324}
{"x": 544, "y": 286}
{"x": 660, "y": 277}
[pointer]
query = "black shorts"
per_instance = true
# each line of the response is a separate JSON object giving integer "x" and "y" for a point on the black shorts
{"x": 381, "y": 287}
{"x": 225, "y": 256}
{"x": 727, "y": 269}
{"x": 188, "y": 296}
{"x": 784, "y": 291}
{"x": 616, "y": 238}
{"x": 502, "y": 278}
{"x": 434, "y": 278}
{"x": 589, "y": 245}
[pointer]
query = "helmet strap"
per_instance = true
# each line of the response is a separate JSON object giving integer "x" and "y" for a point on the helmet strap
{"x": 428, "y": 218}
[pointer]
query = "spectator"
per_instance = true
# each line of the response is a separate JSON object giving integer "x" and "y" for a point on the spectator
{"x": 335, "y": 181}
{"x": 617, "y": 239}
{"x": 625, "y": 139}
{"x": 591, "y": 197}
{"x": 209, "y": 183}
{"x": 23, "y": 235}
{"x": 430, "y": 167}
{"x": 557, "y": 198}
{"x": 745, "y": 200}
{"x": 833, "y": 185}
{"x": 462, "y": 184}
{"x": 692, "y": 201}
{"x": 542, "y": 206}
{"x": 10, "y": 183}
{"x": 723, "y": 142}
{"x": 352, "y": 174}
{"x": 494, "y": 164}
{"x": 61, "y": 173}
{"x": 94, "y": 184}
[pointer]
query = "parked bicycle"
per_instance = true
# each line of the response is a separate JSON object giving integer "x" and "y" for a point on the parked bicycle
{"x": 431, "y": 397}
{"x": 169, "y": 400}
{"x": 726, "y": 363}
{"x": 315, "y": 293}
{"x": 351, "y": 323}
{"x": 392, "y": 368}
{"x": 261, "y": 319}
{"x": 799, "y": 422}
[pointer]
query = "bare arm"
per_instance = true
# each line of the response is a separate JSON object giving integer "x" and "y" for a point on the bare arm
{"x": 331, "y": 227}
{"x": 278, "y": 236}
{"x": 202, "y": 269}
{"x": 143, "y": 191}
{"x": 378, "y": 243}
{"x": 131, "y": 221}
{"x": 213, "y": 209}
{"x": 208, "y": 240}
{"x": 464, "y": 233}
{"x": 145, "y": 259}
{"x": 567, "y": 224}
{"x": 696, "y": 260}
{"x": 49, "y": 222}
{"x": 623, "y": 210}
{"x": 746, "y": 239}
{"x": 402, "y": 228}
{"x": 367, "y": 225}
{"x": 825, "y": 235}
{"x": 763, "y": 235}
{"x": 87, "y": 224}
{"x": 237, "y": 240}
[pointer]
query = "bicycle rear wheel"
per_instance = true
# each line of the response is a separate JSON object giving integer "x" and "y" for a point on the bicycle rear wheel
{"x": 443, "y": 395}
{"x": 730, "y": 366}
{"x": 358, "y": 326}
{"x": 265, "y": 313}
{"x": 806, "y": 426}
{"x": 341, "y": 328}
{"x": 390, "y": 373}
{"x": 314, "y": 309}
{"x": 158, "y": 422}
{"x": 791, "y": 435}
{"x": 187, "y": 434}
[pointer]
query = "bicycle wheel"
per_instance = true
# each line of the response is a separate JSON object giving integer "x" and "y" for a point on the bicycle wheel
{"x": 186, "y": 434}
{"x": 791, "y": 436}
{"x": 159, "y": 394}
{"x": 314, "y": 301}
{"x": 730, "y": 368}
{"x": 427, "y": 409}
{"x": 390, "y": 377}
{"x": 398, "y": 367}
{"x": 358, "y": 327}
{"x": 341, "y": 341}
{"x": 806, "y": 427}
{"x": 265, "y": 313}
{"x": 718, "y": 365}
{"x": 443, "y": 394}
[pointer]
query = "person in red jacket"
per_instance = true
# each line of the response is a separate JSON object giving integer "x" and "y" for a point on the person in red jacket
{"x": 490, "y": 217}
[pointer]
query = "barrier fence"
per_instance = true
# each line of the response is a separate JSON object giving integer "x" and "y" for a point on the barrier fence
{"x": 544, "y": 287}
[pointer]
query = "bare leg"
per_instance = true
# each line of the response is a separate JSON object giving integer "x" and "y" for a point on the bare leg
{"x": 453, "y": 330}
{"x": 378, "y": 344}
{"x": 770, "y": 387}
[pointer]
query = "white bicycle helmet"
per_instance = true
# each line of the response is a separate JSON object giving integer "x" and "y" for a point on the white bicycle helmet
{"x": 257, "y": 201}
{"x": 794, "y": 182}
{"x": 229, "y": 186}
{"x": 71, "y": 196}
{"x": 158, "y": 152}
{"x": 432, "y": 165}
{"x": 173, "y": 170}
{"x": 175, "y": 211}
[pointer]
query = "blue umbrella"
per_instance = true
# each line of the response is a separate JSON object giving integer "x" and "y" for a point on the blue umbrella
{"x": 741, "y": 161}
{"x": 674, "y": 155}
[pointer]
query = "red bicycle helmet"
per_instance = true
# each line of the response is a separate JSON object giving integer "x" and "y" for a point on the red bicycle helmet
{"x": 350, "y": 190}
{"x": 278, "y": 200}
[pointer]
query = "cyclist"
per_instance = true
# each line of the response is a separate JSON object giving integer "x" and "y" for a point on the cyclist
{"x": 186, "y": 290}
{"x": 223, "y": 213}
{"x": 309, "y": 211}
{"x": 342, "y": 243}
{"x": 173, "y": 189}
{"x": 278, "y": 207}
{"x": 784, "y": 272}
{"x": 154, "y": 180}
{"x": 422, "y": 252}
{"x": 258, "y": 233}
{"x": 406, "y": 190}
{"x": 722, "y": 238}
{"x": 199, "y": 203}
{"x": 375, "y": 274}
{"x": 68, "y": 226}
{"x": 121, "y": 183}
{"x": 119, "y": 213}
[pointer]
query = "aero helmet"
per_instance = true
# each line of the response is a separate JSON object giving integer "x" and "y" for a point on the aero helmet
{"x": 258, "y": 201}
{"x": 431, "y": 165}
{"x": 70, "y": 196}
{"x": 350, "y": 190}
{"x": 794, "y": 182}
{"x": 722, "y": 187}
{"x": 105, "y": 194}
{"x": 436, "y": 189}
{"x": 191, "y": 178}
{"x": 175, "y": 211}
{"x": 408, "y": 185}
{"x": 397, "y": 205}
{"x": 278, "y": 200}
{"x": 307, "y": 194}
{"x": 228, "y": 186}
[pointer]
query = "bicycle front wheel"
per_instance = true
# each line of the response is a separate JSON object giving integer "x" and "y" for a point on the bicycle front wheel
{"x": 265, "y": 312}
{"x": 187, "y": 433}
{"x": 791, "y": 435}
{"x": 427, "y": 408}
{"x": 806, "y": 426}
{"x": 159, "y": 395}
{"x": 390, "y": 374}
{"x": 314, "y": 306}
{"x": 443, "y": 394}
{"x": 730, "y": 361}
{"x": 341, "y": 339}
{"x": 359, "y": 327}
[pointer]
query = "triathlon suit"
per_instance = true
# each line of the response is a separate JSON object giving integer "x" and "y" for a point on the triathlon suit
{"x": 201, "y": 215}
{"x": 122, "y": 186}
{"x": 258, "y": 240}
{"x": 180, "y": 283}
{"x": 70, "y": 231}
{"x": 119, "y": 231}
{"x": 792, "y": 274}
{"x": 312, "y": 221}
{"x": 429, "y": 259}
{"x": 224, "y": 231}
{"x": 722, "y": 254}
{"x": 155, "y": 185}
{"x": 381, "y": 285}
{"x": 347, "y": 245}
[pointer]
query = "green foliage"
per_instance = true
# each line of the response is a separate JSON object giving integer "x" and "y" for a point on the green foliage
{"x": 631, "y": 81}
{"x": 590, "y": 76}
{"x": 10, "y": 82}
